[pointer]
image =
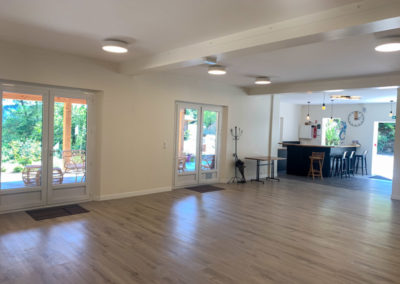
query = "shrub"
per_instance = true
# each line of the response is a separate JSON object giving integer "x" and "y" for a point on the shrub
{"x": 18, "y": 169}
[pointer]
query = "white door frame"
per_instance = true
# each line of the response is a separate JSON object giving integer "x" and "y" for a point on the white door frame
{"x": 68, "y": 192}
{"x": 45, "y": 190}
{"x": 199, "y": 172}
{"x": 215, "y": 172}
{"x": 13, "y": 199}
{"x": 183, "y": 179}
{"x": 385, "y": 160}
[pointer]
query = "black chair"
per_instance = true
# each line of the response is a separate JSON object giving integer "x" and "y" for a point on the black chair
{"x": 335, "y": 165}
{"x": 344, "y": 165}
{"x": 363, "y": 159}
{"x": 351, "y": 163}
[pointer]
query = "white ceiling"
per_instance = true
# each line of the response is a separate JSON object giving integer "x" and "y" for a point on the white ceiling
{"x": 78, "y": 27}
{"x": 371, "y": 95}
{"x": 353, "y": 56}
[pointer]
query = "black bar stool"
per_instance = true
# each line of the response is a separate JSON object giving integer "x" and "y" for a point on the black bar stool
{"x": 343, "y": 165}
{"x": 335, "y": 165}
{"x": 351, "y": 162}
{"x": 363, "y": 159}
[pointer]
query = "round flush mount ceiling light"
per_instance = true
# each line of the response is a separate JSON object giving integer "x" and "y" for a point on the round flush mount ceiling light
{"x": 388, "y": 44}
{"x": 216, "y": 70}
{"x": 262, "y": 80}
{"x": 115, "y": 46}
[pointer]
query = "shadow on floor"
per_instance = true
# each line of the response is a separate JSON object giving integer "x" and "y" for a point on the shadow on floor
{"x": 361, "y": 183}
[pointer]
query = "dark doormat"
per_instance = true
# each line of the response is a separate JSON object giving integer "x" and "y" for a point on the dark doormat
{"x": 204, "y": 188}
{"x": 54, "y": 212}
{"x": 380, "y": 177}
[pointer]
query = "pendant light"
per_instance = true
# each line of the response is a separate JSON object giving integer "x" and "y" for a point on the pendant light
{"x": 391, "y": 109}
{"x": 331, "y": 110}
{"x": 308, "y": 111}
{"x": 323, "y": 104}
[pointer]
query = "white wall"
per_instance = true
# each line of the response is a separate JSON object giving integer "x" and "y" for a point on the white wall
{"x": 291, "y": 114}
{"x": 136, "y": 115}
{"x": 363, "y": 133}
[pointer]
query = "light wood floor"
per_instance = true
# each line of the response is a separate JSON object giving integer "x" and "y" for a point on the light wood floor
{"x": 287, "y": 232}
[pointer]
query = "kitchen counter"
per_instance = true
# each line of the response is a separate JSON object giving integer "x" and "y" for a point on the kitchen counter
{"x": 298, "y": 157}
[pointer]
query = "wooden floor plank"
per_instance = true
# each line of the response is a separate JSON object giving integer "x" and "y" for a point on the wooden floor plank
{"x": 286, "y": 232}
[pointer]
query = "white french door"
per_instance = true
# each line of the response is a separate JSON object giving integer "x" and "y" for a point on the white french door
{"x": 44, "y": 138}
{"x": 197, "y": 144}
{"x": 68, "y": 151}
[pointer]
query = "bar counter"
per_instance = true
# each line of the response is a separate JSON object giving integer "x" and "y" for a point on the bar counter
{"x": 298, "y": 161}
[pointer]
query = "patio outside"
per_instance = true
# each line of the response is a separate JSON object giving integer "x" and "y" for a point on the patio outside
{"x": 383, "y": 149}
{"x": 22, "y": 130}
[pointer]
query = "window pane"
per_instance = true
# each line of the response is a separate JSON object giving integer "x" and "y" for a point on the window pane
{"x": 209, "y": 140}
{"x": 21, "y": 159}
{"x": 331, "y": 129}
{"x": 187, "y": 140}
{"x": 69, "y": 142}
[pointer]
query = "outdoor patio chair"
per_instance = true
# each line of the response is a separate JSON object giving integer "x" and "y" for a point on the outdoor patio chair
{"x": 75, "y": 162}
{"x": 181, "y": 164}
{"x": 209, "y": 162}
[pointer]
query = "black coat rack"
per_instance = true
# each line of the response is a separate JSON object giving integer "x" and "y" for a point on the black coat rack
{"x": 239, "y": 165}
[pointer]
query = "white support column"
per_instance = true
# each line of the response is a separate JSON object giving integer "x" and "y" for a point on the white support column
{"x": 396, "y": 162}
{"x": 273, "y": 137}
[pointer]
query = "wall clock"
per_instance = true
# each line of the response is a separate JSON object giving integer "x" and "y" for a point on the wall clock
{"x": 356, "y": 118}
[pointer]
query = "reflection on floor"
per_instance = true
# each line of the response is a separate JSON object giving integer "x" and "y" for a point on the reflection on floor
{"x": 358, "y": 182}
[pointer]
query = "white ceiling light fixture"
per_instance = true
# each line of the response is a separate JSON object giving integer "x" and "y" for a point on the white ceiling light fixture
{"x": 334, "y": 91}
{"x": 115, "y": 46}
{"x": 388, "y": 44}
{"x": 216, "y": 70}
{"x": 262, "y": 80}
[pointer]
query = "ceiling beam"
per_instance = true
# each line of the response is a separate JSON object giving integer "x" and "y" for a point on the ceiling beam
{"x": 373, "y": 81}
{"x": 367, "y": 16}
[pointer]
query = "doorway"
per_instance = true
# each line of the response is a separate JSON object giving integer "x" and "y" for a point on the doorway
{"x": 383, "y": 149}
{"x": 44, "y": 146}
{"x": 198, "y": 129}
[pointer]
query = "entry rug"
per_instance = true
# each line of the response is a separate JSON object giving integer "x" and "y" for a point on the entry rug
{"x": 204, "y": 188}
{"x": 54, "y": 212}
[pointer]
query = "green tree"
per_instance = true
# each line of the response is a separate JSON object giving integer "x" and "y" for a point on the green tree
{"x": 386, "y": 132}
{"x": 332, "y": 130}
{"x": 209, "y": 118}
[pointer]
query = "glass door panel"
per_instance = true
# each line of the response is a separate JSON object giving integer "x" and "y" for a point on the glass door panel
{"x": 187, "y": 140}
{"x": 69, "y": 140}
{"x": 209, "y": 140}
{"x": 22, "y": 136}
{"x": 187, "y": 145}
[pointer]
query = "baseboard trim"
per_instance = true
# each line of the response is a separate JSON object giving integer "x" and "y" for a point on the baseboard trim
{"x": 132, "y": 193}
